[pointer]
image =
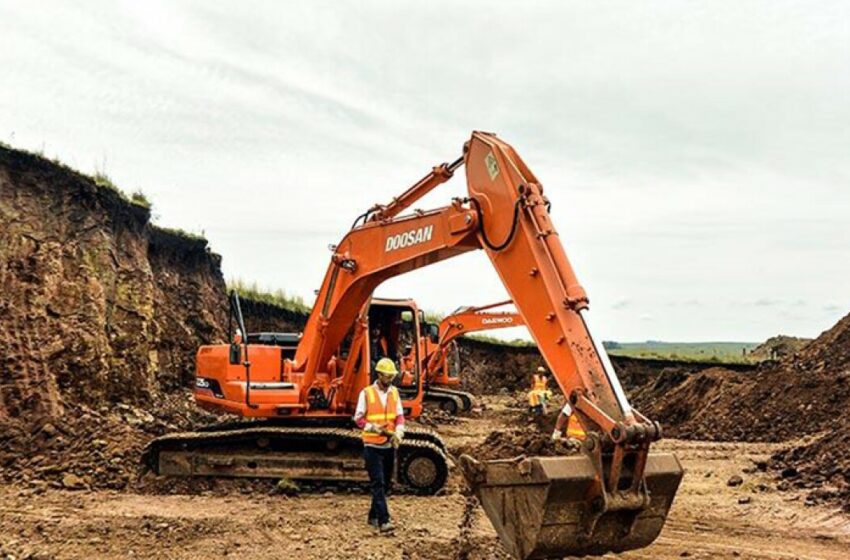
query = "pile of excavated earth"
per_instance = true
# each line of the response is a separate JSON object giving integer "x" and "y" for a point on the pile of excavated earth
{"x": 805, "y": 398}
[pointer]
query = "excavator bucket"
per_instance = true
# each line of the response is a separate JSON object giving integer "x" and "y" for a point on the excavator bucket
{"x": 551, "y": 507}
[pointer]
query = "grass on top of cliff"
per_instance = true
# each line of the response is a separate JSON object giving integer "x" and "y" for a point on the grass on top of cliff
{"x": 137, "y": 197}
{"x": 99, "y": 177}
{"x": 277, "y": 298}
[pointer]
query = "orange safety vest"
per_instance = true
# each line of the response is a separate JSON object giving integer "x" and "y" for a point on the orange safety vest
{"x": 539, "y": 383}
{"x": 574, "y": 428}
{"x": 380, "y": 414}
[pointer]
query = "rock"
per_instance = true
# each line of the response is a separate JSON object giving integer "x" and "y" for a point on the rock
{"x": 73, "y": 482}
{"x": 734, "y": 481}
{"x": 744, "y": 500}
{"x": 789, "y": 472}
{"x": 49, "y": 430}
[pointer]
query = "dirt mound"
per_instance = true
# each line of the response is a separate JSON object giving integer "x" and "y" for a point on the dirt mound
{"x": 87, "y": 448}
{"x": 828, "y": 352}
{"x": 822, "y": 466}
{"x": 778, "y": 347}
{"x": 806, "y": 394}
{"x": 685, "y": 404}
{"x": 513, "y": 442}
{"x": 802, "y": 395}
{"x": 488, "y": 368}
{"x": 522, "y": 433}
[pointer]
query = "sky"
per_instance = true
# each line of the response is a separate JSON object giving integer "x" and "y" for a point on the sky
{"x": 697, "y": 154}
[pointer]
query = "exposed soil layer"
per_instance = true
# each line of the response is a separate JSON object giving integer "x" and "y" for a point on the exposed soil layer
{"x": 98, "y": 306}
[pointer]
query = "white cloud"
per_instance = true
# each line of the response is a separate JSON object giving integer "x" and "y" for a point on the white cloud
{"x": 694, "y": 153}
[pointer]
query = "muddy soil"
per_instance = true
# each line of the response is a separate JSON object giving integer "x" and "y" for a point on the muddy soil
{"x": 710, "y": 519}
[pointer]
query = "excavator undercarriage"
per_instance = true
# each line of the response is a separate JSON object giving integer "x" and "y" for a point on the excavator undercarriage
{"x": 301, "y": 453}
{"x": 453, "y": 401}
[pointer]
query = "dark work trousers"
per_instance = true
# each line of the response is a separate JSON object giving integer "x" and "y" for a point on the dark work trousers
{"x": 379, "y": 465}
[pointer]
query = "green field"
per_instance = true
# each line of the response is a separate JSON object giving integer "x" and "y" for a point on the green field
{"x": 720, "y": 352}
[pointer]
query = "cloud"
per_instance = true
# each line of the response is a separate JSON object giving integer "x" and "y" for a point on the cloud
{"x": 621, "y": 304}
{"x": 696, "y": 159}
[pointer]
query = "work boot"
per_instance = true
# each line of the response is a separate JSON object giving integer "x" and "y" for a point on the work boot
{"x": 387, "y": 528}
{"x": 374, "y": 523}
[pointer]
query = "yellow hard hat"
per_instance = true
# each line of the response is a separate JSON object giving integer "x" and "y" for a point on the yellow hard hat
{"x": 386, "y": 366}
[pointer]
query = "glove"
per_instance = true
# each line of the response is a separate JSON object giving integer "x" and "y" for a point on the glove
{"x": 557, "y": 436}
{"x": 395, "y": 440}
{"x": 372, "y": 428}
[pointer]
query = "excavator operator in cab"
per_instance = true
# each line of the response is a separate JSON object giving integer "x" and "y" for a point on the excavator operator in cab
{"x": 407, "y": 366}
{"x": 539, "y": 393}
{"x": 381, "y": 418}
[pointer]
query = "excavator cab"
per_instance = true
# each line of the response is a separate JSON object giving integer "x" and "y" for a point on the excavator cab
{"x": 394, "y": 332}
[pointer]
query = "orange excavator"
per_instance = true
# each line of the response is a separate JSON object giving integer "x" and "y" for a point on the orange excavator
{"x": 614, "y": 495}
{"x": 441, "y": 372}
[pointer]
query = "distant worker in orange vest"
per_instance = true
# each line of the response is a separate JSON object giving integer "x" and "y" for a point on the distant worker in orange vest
{"x": 539, "y": 393}
{"x": 569, "y": 426}
{"x": 381, "y": 418}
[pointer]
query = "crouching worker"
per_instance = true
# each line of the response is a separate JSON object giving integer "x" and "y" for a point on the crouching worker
{"x": 380, "y": 415}
{"x": 568, "y": 430}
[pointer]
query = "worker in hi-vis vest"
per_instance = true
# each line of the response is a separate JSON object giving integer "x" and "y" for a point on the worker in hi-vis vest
{"x": 381, "y": 418}
{"x": 568, "y": 425}
{"x": 539, "y": 393}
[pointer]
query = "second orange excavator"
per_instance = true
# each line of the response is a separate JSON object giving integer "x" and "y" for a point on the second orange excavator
{"x": 612, "y": 496}
{"x": 442, "y": 360}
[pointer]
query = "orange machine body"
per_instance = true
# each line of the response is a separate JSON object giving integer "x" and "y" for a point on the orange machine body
{"x": 276, "y": 390}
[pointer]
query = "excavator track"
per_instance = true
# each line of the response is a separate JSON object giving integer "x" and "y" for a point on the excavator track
{"x": 298, "y": 453}
{"x": 452, "y": 401}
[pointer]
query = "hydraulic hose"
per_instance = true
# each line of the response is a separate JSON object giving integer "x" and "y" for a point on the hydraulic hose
{"x": 514, "y": 224}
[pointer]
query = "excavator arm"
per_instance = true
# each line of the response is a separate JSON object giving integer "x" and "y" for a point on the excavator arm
{"x": 613, "y": 496}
